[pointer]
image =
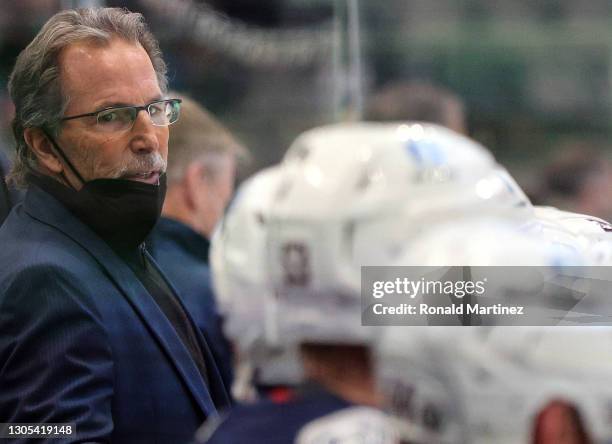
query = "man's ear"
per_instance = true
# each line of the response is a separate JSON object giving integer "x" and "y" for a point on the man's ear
{"x": 194, "y": 182}
{"x": 40, "y": 144}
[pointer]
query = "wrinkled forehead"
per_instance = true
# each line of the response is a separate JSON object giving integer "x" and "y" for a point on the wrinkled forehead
{"x": 97, "y": 73}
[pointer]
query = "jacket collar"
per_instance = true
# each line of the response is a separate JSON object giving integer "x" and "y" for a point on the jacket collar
{"x": 190, "y": 240}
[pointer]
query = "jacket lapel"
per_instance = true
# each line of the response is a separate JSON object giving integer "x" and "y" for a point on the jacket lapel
{"x": 45, "y": 208}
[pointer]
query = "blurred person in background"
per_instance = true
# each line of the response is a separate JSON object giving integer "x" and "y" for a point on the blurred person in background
{"x": 91, "y": 331}
{"x": 418, "y": 101}
{"x": 578, "y": 179}
{"x": 201, "y": 173}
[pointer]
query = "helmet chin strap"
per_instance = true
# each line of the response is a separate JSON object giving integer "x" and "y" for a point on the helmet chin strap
{"x": 65, "y": 159}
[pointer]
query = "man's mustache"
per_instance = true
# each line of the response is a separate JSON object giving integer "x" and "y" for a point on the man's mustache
{"x": 143, "y": 164}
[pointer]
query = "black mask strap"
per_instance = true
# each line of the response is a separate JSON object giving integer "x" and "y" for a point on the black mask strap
{"x": 65, "y": 159}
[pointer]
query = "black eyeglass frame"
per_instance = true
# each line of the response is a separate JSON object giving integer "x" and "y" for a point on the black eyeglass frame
{"x": 137, "y": 108}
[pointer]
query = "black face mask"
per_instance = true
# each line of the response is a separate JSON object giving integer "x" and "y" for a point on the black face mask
{"x": 122, "y": 212}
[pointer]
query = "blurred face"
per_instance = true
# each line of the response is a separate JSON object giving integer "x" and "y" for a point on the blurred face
{"x": 95, "y": 77}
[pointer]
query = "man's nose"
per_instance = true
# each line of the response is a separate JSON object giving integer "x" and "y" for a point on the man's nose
{"x": 144, "y": 135}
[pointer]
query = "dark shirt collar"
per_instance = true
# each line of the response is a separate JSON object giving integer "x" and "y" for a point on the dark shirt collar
{"x": 190, "y": 240}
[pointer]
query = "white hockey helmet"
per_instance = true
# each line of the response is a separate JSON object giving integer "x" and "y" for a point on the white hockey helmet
{"x": 358, "y": 194}
{"x": 592, "y": 235}
{"x": 490, "y": 248}
{"x": 438, "y": 172}
{"x": 502, "y": 187}
{"x": 238, "y": 260}
{"x": 345, "y": 196}
{"x": 241, "y": 281}
{"x": 484, "y": 240}
{"x": 484, "y": 392}
{"x": 416, "y": 393}
{"x": 494, "y": 380}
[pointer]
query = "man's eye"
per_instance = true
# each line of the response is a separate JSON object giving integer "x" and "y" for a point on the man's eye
{"x": 107, "y": 117}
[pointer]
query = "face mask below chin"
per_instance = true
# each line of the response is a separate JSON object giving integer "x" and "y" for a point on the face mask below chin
{"x": 123, "y": 212}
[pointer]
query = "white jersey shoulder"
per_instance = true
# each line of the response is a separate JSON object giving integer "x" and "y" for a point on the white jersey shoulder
{"x": 354, "y": 425}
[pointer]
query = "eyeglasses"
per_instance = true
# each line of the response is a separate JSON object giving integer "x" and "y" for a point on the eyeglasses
{"x": 122, "y": 118}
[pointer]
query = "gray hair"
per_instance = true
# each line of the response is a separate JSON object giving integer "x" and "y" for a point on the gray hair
{"x": 199, "y": 136}
{"x": 35, "y": 84}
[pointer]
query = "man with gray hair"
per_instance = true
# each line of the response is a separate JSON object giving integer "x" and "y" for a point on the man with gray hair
{"x": 201, "y": 175}
{"x": 92, "y": 334}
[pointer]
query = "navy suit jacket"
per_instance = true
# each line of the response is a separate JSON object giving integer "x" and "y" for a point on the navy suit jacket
{"x": 82, "y": 341}
{"x": 182, "y": 254}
